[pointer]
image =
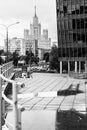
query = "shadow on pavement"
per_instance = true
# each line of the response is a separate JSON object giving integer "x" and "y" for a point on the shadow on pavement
{"x": 71, "y": 90}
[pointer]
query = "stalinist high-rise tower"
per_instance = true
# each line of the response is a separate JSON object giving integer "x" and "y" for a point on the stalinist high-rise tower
{"x": 35, "y": 28}
{"x": 38, "y": 43}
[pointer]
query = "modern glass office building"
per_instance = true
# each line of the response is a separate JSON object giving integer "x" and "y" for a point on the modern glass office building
{"x": 72, "y": 33}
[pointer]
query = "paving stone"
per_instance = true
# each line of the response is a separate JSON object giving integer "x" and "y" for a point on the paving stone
{"x": 43, "y": 85}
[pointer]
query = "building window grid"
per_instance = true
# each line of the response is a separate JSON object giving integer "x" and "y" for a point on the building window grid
{"x": 60, "y": 32}
{"x": 64, "y": 48}
{"x": 78, "y": 23}
{"x": 81, "y": 55}
{"x": 77, "y": 36}
{"x": 85, "y": 33}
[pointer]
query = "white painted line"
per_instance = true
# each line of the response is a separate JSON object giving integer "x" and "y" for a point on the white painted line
{"x": 47, "y": 94}
{"x": 27, "y": 95}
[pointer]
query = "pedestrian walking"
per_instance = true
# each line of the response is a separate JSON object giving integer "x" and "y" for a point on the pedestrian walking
{"x": 29, "y": 72}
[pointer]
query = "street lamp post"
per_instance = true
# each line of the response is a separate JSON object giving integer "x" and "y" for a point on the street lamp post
{"x": 7, "y": 42}
{"x": 6, "y": 27}
{"x": 30, "y": 54}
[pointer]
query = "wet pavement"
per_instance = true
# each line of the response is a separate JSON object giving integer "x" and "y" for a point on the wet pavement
{"x": 41, "y": 92}
{"x": 45, "y": 109}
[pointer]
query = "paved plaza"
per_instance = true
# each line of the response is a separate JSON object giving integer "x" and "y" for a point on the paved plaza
{"x": 41, "y": 92}
{"x": 41, "y": 101}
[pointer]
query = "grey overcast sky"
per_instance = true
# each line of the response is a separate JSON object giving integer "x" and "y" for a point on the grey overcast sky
{"x": 12, "y": 11}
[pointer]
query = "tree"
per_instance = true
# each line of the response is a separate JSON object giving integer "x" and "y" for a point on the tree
{"x": 10, "y": 56}
{"x": 53, "y": 58}
{"x": 29, "y": 57}
{"x": 15, "y": 58}
{"x": 1, "y": 52}
{"x": 1, "y": 61}
{"x": 46, "y": 57}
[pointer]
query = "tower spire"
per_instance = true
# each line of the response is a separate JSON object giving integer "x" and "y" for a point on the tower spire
{"x": 35, "y": 10}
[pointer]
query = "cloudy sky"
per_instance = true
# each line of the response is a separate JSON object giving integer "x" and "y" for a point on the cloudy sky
{"x": 22, "y": 11}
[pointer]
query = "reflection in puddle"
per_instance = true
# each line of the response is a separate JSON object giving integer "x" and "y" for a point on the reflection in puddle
{"x": 52, "y": 120}
{"x": 35, "y": 120}
{"x": 70, "y": 120}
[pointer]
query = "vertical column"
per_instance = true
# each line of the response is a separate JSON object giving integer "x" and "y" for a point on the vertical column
{"x": 0, "y": 100}
{"x": 15, "y": 106}
{"x": 75, "y": 66}
{"x": 68, "y": 67}
{"x": 3, "y": 107}
{"x": 60, "y": 67}
{"x": 79, "y": 66}
{"x": 19, "y": 119}
{"x": 85, "y": 66}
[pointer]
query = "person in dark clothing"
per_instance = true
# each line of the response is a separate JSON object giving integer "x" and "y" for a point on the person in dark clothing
{"x": 0, "y": 60}
{"x": 29, "y": 73}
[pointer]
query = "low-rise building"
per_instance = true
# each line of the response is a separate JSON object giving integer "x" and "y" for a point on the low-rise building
{"x": 16, "y": 44}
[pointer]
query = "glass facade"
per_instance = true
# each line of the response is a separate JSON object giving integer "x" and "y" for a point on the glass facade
{"x": 72, "y": 29}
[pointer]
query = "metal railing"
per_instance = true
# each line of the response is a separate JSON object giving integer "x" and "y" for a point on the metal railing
{"x": 6, "y": 71}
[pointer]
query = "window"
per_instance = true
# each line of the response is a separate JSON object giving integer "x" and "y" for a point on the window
{"x": 79, "y": 52}
{"x": 86, "y": 9}
{"x": 65, "y": 9}
{"x": 78, "y": 23}
{"x": 70, "y": 24}
{"x": 73, "y": 24}
{"x": 74, "y": 37}
{"x": 86, "y": 23}
{"x": 71, "y": 52}
{"x": 70, "y": 37}
{"x": 58, "y": 13}
{"x": 83, "y": 37}
{"x": 67, "y": 36}
{"x": 67, "y": 52}
{"x": 62, "y": 25}
{"x": 75, "y": 52}
{"x": 59, "y": 25}
{"x": 66, "y": 24}
{"x": 83, "y": 52}
{"x": 81, "y": 9}
{"x": 78, "y": 36}
{"x": 64, "y": 52}
{"x": 82, "y": 23}
{"x": 73, "y": 12}
{"x": 60, "y": 52}
{"x": 77, "y": 11}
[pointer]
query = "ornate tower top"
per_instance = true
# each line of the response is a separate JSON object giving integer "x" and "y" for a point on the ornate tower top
{"x": 35, "y": 18}
{"x": 35, "y": 11}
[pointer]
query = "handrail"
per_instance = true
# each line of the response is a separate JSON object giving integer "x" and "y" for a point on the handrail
{"x": 6, "y": 69}
{"x": 15, "y": 105}
{"x": 7, "y": 99}
{"x": 12, "y": 81}
{"x": 8, "y": 80}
